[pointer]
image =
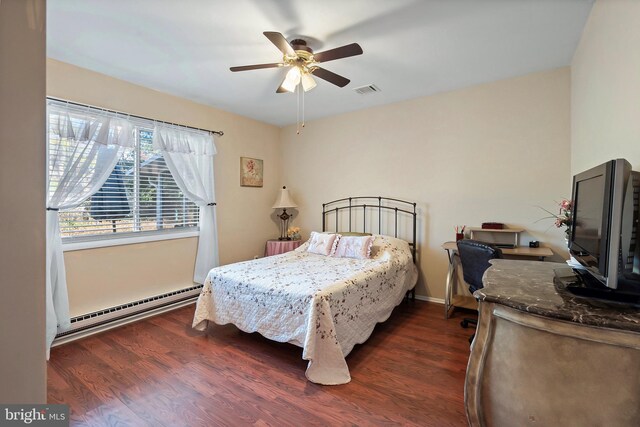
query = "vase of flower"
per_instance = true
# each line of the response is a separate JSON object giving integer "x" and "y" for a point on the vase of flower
{"x": 293, "y": 233}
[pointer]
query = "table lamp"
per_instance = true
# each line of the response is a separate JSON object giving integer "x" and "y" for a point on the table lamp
{"x": 284, "y": 202}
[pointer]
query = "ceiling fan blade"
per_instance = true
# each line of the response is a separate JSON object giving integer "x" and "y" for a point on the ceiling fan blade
{"x": 280, "y": 42}
{"x": 257, "y": 66}
{"x": 334, "y": 78}
{"x": 352, "y": 49}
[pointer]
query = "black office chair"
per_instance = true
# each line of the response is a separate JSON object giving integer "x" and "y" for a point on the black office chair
{"x": 474, "y": 257}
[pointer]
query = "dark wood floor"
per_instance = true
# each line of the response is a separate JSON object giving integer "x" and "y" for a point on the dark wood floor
{"x": 160, "y": 372}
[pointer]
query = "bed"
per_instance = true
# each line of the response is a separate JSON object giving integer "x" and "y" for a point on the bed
{"x": 324, "y": 304}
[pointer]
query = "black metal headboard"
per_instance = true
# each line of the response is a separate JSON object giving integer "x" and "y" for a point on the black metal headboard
{"x": 355, "y": 205}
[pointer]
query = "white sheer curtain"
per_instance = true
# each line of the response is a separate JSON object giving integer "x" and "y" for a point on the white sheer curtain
{"x": 84, "y": 147}
{"x": 189, "y": 156}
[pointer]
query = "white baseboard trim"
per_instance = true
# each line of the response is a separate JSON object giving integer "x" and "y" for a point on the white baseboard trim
{"x": 430, "y": 299}
{"x": 120, "y": 322}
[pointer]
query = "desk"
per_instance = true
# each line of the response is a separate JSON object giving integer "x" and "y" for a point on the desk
{"x": 521, "y": 251}
{"x": 453, "y": 299}
{"x": 276, "y": 247}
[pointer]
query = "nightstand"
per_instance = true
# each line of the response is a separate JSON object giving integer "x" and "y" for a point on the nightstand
{"x": 275, "y": 246}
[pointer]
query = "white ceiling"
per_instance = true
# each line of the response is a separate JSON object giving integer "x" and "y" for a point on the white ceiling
{"x": 412, "y": 48}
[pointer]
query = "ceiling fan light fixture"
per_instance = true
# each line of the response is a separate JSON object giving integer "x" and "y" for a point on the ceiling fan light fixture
{"x": 292, "y": 79}
{"x": 303, "y": 62}
{"x": 308, "y": 82}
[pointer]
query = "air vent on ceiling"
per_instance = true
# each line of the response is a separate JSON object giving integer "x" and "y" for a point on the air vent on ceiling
{"x": 367, "y": 89}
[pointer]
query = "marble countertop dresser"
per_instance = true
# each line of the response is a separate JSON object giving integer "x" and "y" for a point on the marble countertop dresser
{"x": 544, "y": 357}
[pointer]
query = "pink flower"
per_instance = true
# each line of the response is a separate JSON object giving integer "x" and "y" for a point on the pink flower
{"x": 563, "y": 217}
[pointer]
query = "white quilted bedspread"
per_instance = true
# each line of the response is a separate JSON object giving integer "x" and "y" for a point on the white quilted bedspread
{"x": 323, "y": 304}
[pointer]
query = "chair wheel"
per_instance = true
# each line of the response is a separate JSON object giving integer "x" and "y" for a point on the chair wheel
{"x": 464, "y": 324}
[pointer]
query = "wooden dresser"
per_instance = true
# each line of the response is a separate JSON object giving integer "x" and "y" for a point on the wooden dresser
{"x": 542, "y": 357}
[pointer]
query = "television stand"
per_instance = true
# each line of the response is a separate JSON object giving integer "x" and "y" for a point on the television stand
{"x": 544, "y": 357}
{"x": 581, "y": 284}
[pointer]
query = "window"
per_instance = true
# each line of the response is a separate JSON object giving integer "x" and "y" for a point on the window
{"x": 140, "y": 195}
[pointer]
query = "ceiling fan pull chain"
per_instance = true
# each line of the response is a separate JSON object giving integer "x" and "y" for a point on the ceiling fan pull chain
{"x": 297, "y": 90}
{"x": 302, "y": 106}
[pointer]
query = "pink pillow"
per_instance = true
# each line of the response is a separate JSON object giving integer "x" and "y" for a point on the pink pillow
{"x": 322, "y": 243}
{"x": 354, "y": 247}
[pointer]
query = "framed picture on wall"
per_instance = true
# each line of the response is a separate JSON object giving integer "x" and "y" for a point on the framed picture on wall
{"x": 251, "y": 172}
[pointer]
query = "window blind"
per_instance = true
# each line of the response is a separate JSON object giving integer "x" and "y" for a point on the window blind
{"x": 140, "y": 195}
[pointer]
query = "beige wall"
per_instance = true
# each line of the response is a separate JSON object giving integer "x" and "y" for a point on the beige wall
{"x": 143, "y": 270}
{"x": 244, "y": 213}
{"x": 486, "y": 153}
{"x": 605, "y": 87}
{"x": 22, "y": 191}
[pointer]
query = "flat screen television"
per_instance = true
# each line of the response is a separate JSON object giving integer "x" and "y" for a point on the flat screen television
{"x": 604, "y": 232}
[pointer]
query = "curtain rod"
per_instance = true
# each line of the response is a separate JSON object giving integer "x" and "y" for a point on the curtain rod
{"x": 217, "y": 132}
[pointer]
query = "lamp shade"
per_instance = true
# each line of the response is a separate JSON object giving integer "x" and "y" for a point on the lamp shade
{"x": 292, "y": 79}
{"x": 284, "y": 200}
{"x": 307, "y": 82}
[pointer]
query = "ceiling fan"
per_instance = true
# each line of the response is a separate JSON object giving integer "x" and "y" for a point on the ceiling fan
{"x": 304, "y": 63}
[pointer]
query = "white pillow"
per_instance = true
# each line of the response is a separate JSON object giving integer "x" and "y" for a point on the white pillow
{"x": 354, "y": 247}
{"x": 322, "y": 243}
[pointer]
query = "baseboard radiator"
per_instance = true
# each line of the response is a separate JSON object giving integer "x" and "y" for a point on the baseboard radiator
{"x": 109, "y": 318}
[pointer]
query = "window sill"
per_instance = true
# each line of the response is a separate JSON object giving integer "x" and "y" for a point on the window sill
{"x": 129, "y": 240}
